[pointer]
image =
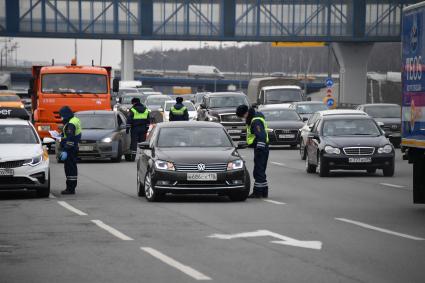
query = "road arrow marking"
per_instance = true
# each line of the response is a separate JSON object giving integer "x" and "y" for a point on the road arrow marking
{"x": 283, "y": 240}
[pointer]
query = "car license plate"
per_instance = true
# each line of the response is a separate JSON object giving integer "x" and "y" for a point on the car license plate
{"x": 286, "y": 136}
{"x": 202, "y": 176}
{"x": 234, "y": 131}
{"x": 360, "y": 159}
{"x": 6, "y": 172}
{"x": 85, "y": 148}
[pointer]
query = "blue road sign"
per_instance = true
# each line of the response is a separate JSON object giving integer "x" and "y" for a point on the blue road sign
{"x": 330, "y": 102}
{"x": 329, "y": 82}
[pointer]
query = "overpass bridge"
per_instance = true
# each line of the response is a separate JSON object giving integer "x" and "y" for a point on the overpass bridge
{"x": 350, "y": 26}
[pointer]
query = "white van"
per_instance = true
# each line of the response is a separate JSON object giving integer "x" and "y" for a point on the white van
{"x": 130, "y": 84}
{"x": 198, "y": 71}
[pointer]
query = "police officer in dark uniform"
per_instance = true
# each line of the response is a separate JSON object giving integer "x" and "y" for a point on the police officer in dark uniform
{"x": 179, "y": 112}
{"x": 71, "y": 136}
{"x": 257, "y": 137}
{"x": 138, "y": 122}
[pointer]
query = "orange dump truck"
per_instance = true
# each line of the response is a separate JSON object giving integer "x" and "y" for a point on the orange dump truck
{"x": 79, "y": 87}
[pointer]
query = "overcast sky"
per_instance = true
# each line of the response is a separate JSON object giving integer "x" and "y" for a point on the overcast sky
{"x": 62, "y": 50}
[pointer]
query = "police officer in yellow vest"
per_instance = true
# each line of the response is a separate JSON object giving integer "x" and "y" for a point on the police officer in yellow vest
{"x": 179, "y": 112}
{"x": 258, "y": 138}
{"x": 138, "y": 122}
{"x": 71, "y": 136}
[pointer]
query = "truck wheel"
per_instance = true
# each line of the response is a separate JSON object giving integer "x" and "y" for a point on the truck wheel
{"x": 389, "y": 171}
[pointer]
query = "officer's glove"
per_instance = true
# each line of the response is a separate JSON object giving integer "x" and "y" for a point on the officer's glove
{"x": 63, "y": 156}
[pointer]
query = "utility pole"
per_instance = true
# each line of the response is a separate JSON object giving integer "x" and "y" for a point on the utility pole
{"x": 75, "y": 49}
{"x": 101, "y": 52}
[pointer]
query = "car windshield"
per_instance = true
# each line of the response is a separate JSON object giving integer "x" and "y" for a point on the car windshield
{"x": 193, "y": 137}
{"x": 12, "y": 97}
{"x": 97, "y": 122}
{"x": 281, "y": 115}
{"x": 350, "y": 127}
{"x": 390, "y": 111}
{"x": 19, "y": 134}
{"x": 227, "y": 101}
{"x": 159, "y": 101}
{"x": 188, "y": 105}
{"x": 127, "y": 99}
{"x": 276, "y": 96}
{"x": 74, "y": 83}
{"x": 310, "y": 108}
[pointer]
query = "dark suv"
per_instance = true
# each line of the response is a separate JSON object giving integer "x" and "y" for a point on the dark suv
{"x": 220, "y": 107}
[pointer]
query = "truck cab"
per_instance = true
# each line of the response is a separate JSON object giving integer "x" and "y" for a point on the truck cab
{"x": 79, "y": 87}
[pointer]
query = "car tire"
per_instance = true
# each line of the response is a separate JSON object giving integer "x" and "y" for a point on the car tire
{"x": 242, "y": 195}
{"x": 44, "y": 191}
{"x": 150, "y": 193}
{"x": 118, "y": 158}
{"x": 322, "y": 167}
{"x": 302, "y": 151}
{"x": 129, "y": 157}
{"x": 309, "y": 168}
{"x": 371, "y": 171}
{"x": 389, "y": 170}
{"x": 140, "y": 187}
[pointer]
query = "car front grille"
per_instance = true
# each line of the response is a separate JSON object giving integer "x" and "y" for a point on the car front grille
{"x": 286, "y": 131}
{"x": 14, "y": 163}
{"x": 211, "y": 167}
{"x": 230, "y": 118}
{"x": 359, "y": 150}
{"x": 393, "y": 127}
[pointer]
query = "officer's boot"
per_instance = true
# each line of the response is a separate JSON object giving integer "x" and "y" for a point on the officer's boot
{"x": 265, "y": 193}
{"x": 255, "y": 194}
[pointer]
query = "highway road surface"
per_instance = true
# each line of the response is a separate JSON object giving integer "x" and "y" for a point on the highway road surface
{"x": 350, "y": 227}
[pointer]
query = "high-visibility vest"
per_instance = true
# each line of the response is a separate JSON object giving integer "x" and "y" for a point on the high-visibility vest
{"x": 140, "y": 116}
{"x": 178, "y": 112}
{"x": 77, "y": 123}
{"x": 250, "y": 137}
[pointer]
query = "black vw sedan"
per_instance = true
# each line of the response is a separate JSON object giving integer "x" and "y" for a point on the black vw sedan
{"x": 348, "y": 142}
{"x": 191, "y": 158}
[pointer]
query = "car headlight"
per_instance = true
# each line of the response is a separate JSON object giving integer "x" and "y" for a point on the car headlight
{"x": 235, "y": 165}
{"x": 44, "y": 128}
{"x": 332, "y": 150}
{"x": 35, "y": 160}
{"x": 107, "y": 140}
{"x": 164, "y": 165}
{"x": 212, "y": 119}
{"x": 22, "y": 106}
{"x": 385, "y": 149}
{"x": 270, "y": 130}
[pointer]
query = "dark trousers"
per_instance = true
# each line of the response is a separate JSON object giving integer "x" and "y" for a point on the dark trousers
{"x": 71, "y": 171}
{"x": 261, "y": 157}
{"x": 138, "y": 134}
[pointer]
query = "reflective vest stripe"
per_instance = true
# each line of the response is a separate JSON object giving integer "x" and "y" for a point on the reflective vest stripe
{"x": 77, "y": 123}
{"x": 178, "y": 111}
{"x": 140, "y": 116}
{"x": 250, "y": 137}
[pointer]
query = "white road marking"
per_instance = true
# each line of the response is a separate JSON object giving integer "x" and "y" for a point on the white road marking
{"x": 278, "y": 164}
{"x": 71, "y": 208}
{"x": 273, "y": 201}
{"x": 177, "y": 265}
{"x": 112, "y": 230}
{"x": 51, "y": 195}
{"x": 364, "y": 225}
{"x": 283, "y": 240}
{"x": 393, "y": 185}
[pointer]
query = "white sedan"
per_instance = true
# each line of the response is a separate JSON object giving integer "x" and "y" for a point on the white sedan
{"x": 24, "y": 162}
{"x": 189, "y": 105}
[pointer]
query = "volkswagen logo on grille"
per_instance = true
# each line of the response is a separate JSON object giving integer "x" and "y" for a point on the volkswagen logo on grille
{"x": 201, "y": 167}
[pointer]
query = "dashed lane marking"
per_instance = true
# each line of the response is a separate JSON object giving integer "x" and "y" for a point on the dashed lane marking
{"x": 367, "y": 226}
{"x": 177, "y": 265}
{"x": 71, "y": 208}
{"x": 393, "y": 185}
{"x": 273, "y": 201}
{"x": 112, "y": 230}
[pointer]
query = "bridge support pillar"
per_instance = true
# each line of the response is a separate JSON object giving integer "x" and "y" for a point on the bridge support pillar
{"x": 127, "y": 60}
{"x": 353, "y": 59}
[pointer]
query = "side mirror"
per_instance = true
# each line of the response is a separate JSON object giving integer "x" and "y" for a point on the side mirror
{"x": 242, "y": 145}
{"x": 115, "y": 85}
{"x": 380, "y": 124}
{"x": 305, "y": 119}
{"x": 31, "y": 87}
{"x": 47, "y": 141}
{"x": 143, "y": 145}
{"x": 202, "y": 106}
{"x": 313, "y": 136}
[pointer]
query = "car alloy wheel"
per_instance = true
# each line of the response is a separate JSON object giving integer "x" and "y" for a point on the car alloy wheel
{"x": 149, "y": 193}
{"x": 308, "y": 167}
{"x": 322, "y": 167}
